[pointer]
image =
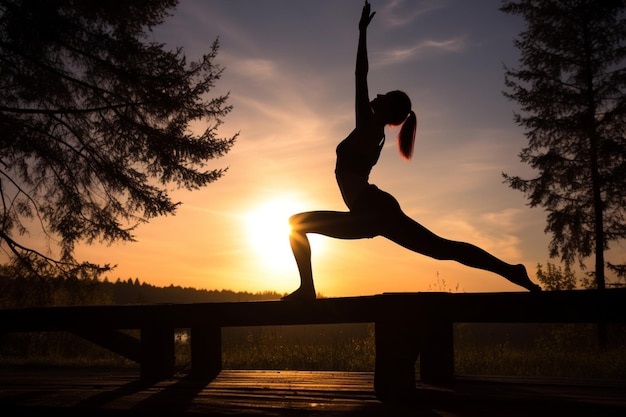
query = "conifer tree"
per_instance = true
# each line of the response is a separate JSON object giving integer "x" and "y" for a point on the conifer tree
{"x": 95, "y": 123}
{"x": 570, "y": 86}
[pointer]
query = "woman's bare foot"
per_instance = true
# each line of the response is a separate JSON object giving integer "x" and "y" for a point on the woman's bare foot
{"x": 520, "y": 277}
{"x": 300, "y": 294}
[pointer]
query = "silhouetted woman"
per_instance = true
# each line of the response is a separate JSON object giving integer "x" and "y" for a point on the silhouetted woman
{"x": 374, "y": 212}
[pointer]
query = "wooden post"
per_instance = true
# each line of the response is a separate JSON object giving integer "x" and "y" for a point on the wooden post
{"x": 206, "y": 352}
{"x": 397, "y": 348}
{"x": 157, "y": 353}
{"x": 437, "y": 353}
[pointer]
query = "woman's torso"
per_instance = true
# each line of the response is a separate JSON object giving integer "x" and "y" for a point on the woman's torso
{"x": 356, "y": 155}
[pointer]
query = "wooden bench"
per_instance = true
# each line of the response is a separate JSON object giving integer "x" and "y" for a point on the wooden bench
{"x": 408, "y": 326}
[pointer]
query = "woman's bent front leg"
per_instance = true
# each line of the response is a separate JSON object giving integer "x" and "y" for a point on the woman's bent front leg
{"x": 301, "y": 249}
{"x": 341, "y": 225}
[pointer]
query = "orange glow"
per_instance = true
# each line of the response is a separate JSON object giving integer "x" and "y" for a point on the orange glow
{"x": 267, "y": 227}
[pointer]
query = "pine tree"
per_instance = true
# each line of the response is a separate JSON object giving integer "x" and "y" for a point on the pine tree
{"x": 571, "y": 86}
{"x": 95, "y": 122}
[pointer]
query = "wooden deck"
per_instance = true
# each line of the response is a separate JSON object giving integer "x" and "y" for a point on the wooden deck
{"x": 408, "y": 326}
{"x": 106, "y": 392}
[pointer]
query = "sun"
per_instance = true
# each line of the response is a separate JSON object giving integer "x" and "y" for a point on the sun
{"x": 267, "y": 228}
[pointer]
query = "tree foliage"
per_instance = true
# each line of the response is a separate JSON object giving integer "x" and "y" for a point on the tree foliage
{"x": 570, "y": 86}
{"x": 95, "y": 120}
{"x": 555, "y": 278}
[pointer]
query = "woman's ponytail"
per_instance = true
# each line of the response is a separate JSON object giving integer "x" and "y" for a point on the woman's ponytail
{"x": 406, "y": 137}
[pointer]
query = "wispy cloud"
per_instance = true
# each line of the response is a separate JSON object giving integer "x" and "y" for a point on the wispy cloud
{"x": 255, "y": 67}
{"x": 421, "y": 49}
{"x": 402, "y": 12}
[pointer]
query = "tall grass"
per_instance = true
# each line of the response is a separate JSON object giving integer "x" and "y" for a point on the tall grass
{"x": 564, "y": 351}
{"x": 547, "y": 350}
{"x": 316, "y": 347}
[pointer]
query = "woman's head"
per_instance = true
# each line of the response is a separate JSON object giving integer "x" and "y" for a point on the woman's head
{"x": 394, "y": 108}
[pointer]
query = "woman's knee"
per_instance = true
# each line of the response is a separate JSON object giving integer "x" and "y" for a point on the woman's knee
{"x": 301, "y": 222}
{"x": 330, "y": 223}
{"x": 296, "y": 222}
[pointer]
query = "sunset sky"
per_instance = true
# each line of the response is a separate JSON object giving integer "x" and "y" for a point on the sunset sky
{"x": 289, "y": 68}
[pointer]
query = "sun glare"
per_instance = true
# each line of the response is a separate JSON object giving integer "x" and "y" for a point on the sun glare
{"x": 268, "y": 233}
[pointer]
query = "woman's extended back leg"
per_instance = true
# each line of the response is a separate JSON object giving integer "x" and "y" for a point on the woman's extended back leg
{"x": 412, "y": 235}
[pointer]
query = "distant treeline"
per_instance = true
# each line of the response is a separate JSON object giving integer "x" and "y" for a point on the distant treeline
{"x": 37, "y": 291}
{"x": 134, "y": 292}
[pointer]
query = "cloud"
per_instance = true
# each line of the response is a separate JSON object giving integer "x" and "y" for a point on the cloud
{"x": 254, "y": 67}
{"x": 402, "y": 13}
{"x": 421, "y": 49}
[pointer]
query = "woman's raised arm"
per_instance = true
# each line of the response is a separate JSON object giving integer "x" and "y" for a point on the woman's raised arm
{"x": 362, "y": 101}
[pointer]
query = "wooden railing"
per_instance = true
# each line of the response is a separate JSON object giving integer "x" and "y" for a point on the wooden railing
{"x": 408, "y": 326}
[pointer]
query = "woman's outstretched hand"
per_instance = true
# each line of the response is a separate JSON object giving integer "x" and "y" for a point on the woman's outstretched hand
{"x": 366, "y": 16}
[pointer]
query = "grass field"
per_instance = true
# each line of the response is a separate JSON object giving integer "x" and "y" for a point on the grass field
{"x": 566, "y": 351}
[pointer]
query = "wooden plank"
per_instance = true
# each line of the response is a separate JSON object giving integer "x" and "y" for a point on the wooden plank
{"x": 550, "y": 307}
{"x": 322, "y": 311}
{"x": 108, "y": 392}
{"x": 575, "y": 306}
{"x": 578, "y": 306}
